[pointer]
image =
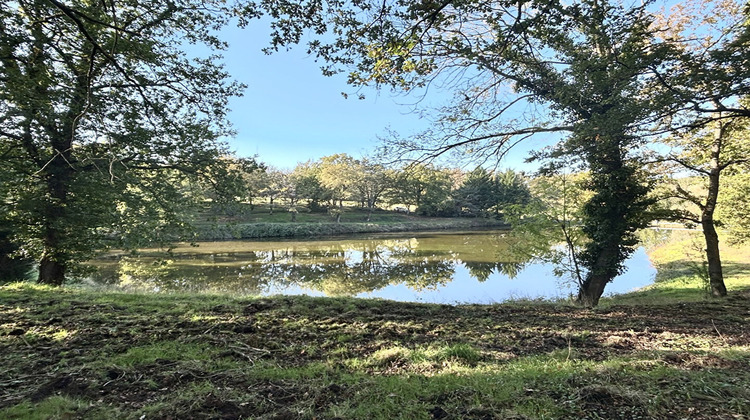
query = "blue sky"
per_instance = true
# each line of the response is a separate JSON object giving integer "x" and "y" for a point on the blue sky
{"x": 292, "y": 113}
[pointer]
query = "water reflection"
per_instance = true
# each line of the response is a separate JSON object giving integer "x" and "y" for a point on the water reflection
{"x": 420, "y": 266}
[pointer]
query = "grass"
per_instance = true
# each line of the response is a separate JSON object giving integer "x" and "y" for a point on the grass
{"x": 681, "y": 276}
{"x": 664, "y": 352}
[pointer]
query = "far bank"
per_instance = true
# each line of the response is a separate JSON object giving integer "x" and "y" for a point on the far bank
{"x": 260, "y": 224}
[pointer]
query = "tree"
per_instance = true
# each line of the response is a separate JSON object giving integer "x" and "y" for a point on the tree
{"x": 708, "y": 152}
{"x": 476, "y": 195}
{"x": 425, "y": 187}
{"x": 511, "y": 190}
{"x": 105, "y": 122}
{"x": 733, "y": 208}
{"x": 13, "y": 265}
{"x": 549, "y": 224}
{"x": 337, "y": 173}
{"x": 307, "y": 184}
{"x": 274, "y": 184}
{"x": 580, "y": 66}
{"x": 705, "y": 113}
{"x": 370, "y": 180}
{"x": 255, "y": 182}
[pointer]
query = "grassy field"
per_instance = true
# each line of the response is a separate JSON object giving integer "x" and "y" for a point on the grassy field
{"x": 666, "y": 352}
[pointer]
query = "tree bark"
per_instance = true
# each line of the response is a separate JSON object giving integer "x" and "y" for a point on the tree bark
{"x": 52, "y": 265}
{"x": 591, "y": 290}
{"x": 715, "y": 274}
{"x": 713, "y": 255}
{"x": 51, "y": 272}
{"x": 599, "y": 276}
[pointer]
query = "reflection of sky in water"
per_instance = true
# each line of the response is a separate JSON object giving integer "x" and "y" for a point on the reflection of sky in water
{"x": 430, "y": 268}
{"x": 534, "y": 281}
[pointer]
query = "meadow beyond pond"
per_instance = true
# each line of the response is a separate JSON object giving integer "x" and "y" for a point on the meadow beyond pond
{"x": 434, "y": 267}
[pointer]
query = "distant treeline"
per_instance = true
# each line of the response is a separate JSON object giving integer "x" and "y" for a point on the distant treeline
{"x": 423, "y": 189}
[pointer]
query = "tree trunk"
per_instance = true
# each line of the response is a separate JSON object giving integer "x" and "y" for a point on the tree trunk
{"x": 713, "y": 256}
{"x": 715, "y": 275}
{"x": 51, "y": 272}
{"x": 592, "y": 289}
{"x": 599, "y": 275}
{"x": 52, "y": 265}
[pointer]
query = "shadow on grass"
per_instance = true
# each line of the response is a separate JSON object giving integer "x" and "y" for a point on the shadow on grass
{"x": 662, "y": 384}
{"x": 79, "y": 354}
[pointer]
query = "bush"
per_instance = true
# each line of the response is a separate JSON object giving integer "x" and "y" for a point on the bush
{"x": 12, "y": 268}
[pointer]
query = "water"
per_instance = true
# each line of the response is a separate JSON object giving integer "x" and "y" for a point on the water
{"x": 466, "y": 267}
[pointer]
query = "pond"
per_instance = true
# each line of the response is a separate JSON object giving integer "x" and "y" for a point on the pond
{"x": 445, "y": 267}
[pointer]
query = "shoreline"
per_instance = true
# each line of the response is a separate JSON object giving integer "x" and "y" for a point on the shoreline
{"x": 291, "y": 230}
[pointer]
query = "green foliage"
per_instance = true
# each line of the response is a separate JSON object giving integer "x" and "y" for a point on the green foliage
{"x": 734, "y": 207}
{"x": 425, "y": 187}
{"x": 308, "y": 185}
{"x": 14, "y": 266}
{"x": 328, "y": 227}
{"x": 598, "y": 93}
{"x": 549, "y": 226}
{"x": 579, "y": 68}
{"x": 108, "y": 129}
{"x": 475, "y": 196}
{"x": 338, "y": 173}
{"x": 483, "y": 193}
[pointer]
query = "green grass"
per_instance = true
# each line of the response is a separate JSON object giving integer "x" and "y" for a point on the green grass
{"x": 56, "y": 407}
{"x": 678, "y": 259}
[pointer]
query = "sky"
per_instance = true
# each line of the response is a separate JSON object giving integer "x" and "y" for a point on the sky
{"x": 291, "y": 113}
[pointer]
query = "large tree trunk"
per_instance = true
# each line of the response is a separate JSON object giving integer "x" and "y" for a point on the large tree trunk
{"x": 51, "y": 272}
{"x": 592, "y": 289}
{"x": 599, "y": 276}
{"x": 53, "y": 263}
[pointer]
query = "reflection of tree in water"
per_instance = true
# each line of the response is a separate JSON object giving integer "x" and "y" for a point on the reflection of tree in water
{"x": 339, "y": 268}
{"x": 490, "y": 254}
{"x": 483, "y": 270}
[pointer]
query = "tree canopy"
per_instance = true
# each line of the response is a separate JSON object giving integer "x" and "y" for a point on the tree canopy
{"x": 608, "y": 77}
{"x": 107, "y": 125}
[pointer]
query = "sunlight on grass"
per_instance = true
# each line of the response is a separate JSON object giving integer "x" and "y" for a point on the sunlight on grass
{"x": 62, "y": 335}
{"x": 164, "y": 350}
{"x": 56, "y": 407}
